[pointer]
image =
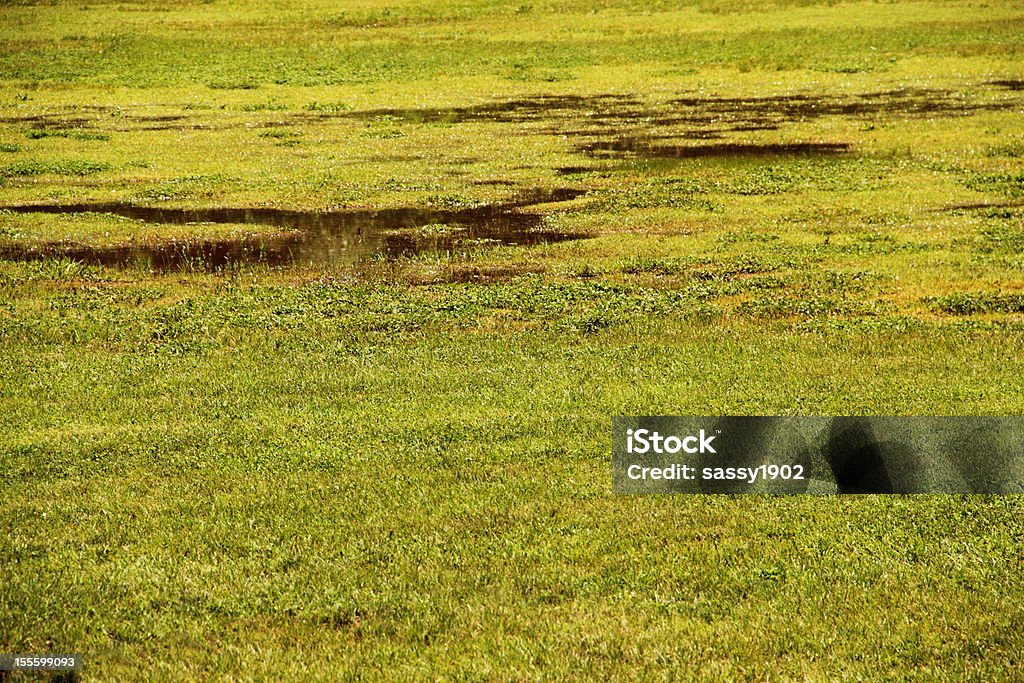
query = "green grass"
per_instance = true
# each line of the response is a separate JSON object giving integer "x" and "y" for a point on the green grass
{"x": 105, "y": 230}
{"x": 400, "y": 469}
{"x": 68, "y": 168}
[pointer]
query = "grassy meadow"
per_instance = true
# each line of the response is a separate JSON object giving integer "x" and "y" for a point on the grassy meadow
{"x": 397, "y": 466}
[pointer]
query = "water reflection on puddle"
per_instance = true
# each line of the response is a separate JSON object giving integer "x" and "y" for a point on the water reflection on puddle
{"x": 312, "y": 238}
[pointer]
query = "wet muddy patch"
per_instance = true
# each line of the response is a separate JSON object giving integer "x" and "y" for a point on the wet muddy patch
{"x": 646, "y": 147}
{"x": 980, "y": 206}
{"x": 624, "y": 126}
{"x": 702, "y": 116}
{"x": 608, "y": 108}
{"x": 706, "y": 115}
{"x": 577, "y": 170}
{"x": 773, "y": 111}
{"x": 168, "y": 256}
{"x": 308, "y": 238}
{"x": 1009, "y": 83}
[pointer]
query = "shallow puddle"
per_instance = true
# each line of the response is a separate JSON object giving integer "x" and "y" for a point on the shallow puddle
{"x": 981, "y": 206}
{"x": 643, "y": 147}
{"x": 1009, "y": 84}
{"x": 613, "y": 109}
{"x": 699, "y": 114}
{"x": 702, "y": 115}
{"x": 623, "y": 126}
{"x": 314, "y": 238}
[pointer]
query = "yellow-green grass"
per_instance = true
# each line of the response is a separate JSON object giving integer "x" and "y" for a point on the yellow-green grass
{"x": 401, "y": 468}
{"x": 97, "y": 229}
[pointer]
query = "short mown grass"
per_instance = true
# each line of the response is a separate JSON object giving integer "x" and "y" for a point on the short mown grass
{"x": 400, "y": 469}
